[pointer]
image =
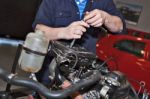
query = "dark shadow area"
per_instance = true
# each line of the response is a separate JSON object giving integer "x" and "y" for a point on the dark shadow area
{"x": 17, "y": 16}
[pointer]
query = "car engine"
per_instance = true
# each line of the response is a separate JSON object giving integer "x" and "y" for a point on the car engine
{"x": 75, "y": 63}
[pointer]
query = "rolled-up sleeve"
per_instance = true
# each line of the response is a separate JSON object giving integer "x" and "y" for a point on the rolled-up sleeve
{"x": 111, "y": 9}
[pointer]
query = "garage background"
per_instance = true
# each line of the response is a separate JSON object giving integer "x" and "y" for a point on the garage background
{"x": 16, "y": 17}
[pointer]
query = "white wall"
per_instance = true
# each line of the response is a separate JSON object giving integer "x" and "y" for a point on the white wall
{"x": 144, "y": 20}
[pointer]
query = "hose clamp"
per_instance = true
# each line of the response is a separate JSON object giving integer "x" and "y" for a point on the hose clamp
{"x": 104, "y": 92}
{"x": 11, "y": 76}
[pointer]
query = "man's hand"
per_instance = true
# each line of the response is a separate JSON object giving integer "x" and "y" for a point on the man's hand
{"x": 74, "y": 31}
{"x": 95, "y": 18}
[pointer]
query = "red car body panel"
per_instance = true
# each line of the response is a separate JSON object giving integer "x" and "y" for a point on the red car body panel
{"x": 136, "y": 69}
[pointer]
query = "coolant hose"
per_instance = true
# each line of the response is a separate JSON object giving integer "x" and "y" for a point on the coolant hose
{"x": 36, "y": 86}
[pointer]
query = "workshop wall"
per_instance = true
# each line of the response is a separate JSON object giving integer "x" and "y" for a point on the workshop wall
{"x": 16, "y": 17}
{"x": 144, "y": 20}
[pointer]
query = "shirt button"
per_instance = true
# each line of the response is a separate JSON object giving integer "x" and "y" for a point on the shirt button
{"x": 60, "y": 13}
{"x": 78, "y": 13}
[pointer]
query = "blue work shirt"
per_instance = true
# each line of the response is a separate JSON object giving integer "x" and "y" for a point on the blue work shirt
{"x": 61, "y": 13}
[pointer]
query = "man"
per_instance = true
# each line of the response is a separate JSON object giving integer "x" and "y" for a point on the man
{"x": 78, "y": 19}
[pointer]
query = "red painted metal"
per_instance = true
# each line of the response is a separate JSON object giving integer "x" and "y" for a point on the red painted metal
{"x": 136, "y": 69}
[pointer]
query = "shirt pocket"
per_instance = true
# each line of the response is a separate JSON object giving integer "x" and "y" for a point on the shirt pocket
{"x": 62, "y": 18}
